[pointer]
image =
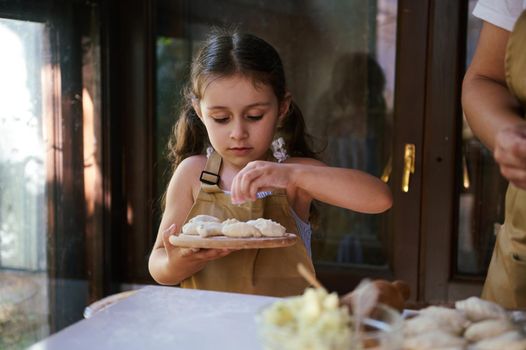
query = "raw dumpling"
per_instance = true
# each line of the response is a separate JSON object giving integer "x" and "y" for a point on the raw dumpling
{"x": 190, "y": 228}
{"x": 477, "y": 309}
{"x": 230, "y": 221}
{"x": 419, "y": 324}
{"x": 240, "y": 229}
{"x": 506, "y": 341}
{"x": 487, "y": 329}
{"x": 450, "y": 320}
{"x": 425, "y": 324}
{"x": 204, "y": 218}
{"x": 210, "y": 229}
{"x": 434, "y": 340}
{"x": 268, "y": 228}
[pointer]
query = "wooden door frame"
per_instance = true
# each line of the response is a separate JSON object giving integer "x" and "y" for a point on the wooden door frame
{"x": 409, "y": 111}
{"x": 442, "y": 158}
{"x": 131, "y": 61}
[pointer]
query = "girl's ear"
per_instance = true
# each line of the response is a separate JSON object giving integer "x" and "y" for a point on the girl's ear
{"x": 197, "y": 107}
{"x": 284, "y": 107}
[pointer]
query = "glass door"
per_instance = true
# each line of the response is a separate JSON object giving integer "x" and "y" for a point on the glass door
{"x": 50, "y": 168}
{"x": 24, "y": 290}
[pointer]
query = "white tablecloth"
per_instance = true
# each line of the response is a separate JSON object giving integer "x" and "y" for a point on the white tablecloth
{"x": 167, "y": 318}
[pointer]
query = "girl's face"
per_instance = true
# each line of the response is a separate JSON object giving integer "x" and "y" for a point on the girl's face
{"x": 240, "y": 118}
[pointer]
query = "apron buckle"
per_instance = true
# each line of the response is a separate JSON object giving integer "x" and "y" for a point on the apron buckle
{"x": 209, "y": 178}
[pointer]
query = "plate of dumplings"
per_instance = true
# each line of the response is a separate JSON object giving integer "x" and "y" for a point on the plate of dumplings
{"x": 206, "y": 231}
{"x": 474, "y": 324}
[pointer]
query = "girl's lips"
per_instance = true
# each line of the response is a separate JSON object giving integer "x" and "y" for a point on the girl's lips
{"x": 240, "y": 150}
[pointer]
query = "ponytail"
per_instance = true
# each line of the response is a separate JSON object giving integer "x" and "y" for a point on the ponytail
{"x": 299, "y": 144}
{"x": 189, "y": 135}
{"x": 298, "y": 141}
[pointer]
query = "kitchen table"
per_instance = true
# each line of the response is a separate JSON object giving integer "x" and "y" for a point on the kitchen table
{"x": 158, "y": 317}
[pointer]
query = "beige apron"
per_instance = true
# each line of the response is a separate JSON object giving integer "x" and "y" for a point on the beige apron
{"x": 269, "y": 271}
{"x": 506, "y": 279}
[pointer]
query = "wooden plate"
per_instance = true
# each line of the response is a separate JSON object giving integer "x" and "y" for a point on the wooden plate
{"x": 224, "y": 242}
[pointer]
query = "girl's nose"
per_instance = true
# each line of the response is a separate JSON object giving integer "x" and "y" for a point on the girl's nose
{"x": 238, "y": 131}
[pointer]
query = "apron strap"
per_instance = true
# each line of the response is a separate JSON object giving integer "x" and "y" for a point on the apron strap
{"x": 210, "y": 176}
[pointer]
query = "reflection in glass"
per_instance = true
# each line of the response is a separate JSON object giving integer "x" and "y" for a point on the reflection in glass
{"x": 23, "y": 281}
{"x": 172, "y": 56}
{"x": 482, "y": 192}
{"x": 354, "y": 129}
{"x": 339, "y": 59}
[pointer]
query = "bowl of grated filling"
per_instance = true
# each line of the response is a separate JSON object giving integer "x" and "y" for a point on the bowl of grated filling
{"x": 317, "y": 321}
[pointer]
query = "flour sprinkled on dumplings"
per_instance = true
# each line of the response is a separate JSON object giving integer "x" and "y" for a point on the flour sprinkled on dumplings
{"x": 210, "y": 229}
{"x": 240, "y": 229}
{"x": 190, "y": 228}
{"x": 268, "y": 227}
{"x": 230, "y": 221}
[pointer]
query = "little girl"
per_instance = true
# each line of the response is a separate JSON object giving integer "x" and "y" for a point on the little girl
{"x": 237, "y": 102}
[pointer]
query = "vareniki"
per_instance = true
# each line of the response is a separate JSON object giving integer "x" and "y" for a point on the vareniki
{"x": 210, "y": 226}
{"x": 268, "y": 228}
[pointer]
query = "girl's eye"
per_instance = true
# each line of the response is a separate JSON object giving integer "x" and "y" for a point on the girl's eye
{"x": 220, "y": 120}
{"x": 254, "y": 117}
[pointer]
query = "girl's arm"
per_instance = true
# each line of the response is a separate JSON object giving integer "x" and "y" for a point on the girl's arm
{"x": 312, "y": 179}
{"x": 170, "y": 265}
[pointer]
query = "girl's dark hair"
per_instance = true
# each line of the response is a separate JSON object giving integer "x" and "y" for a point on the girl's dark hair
{"x": 225, "y": 54}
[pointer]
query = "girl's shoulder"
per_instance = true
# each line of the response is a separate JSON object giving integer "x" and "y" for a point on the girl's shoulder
{"x": 304, "y": 160}
{"x": 186, "y": 176}
{"x": 192, "y": 165}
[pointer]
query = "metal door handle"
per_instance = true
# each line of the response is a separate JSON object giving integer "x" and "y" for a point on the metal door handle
{"x": 386, "y": 174}
{"x": 409, "y": 165}
{"x": 465, "y": 173}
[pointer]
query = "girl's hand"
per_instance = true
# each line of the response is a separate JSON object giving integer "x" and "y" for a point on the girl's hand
{"x": 510, "y": 154}
{"x": 260, "y": 176}
{"x": 195, "y": 255}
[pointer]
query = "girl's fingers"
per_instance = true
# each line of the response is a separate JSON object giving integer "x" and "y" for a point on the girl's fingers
{"x": 234, "y": 190}
{"x": 185, "y": 252}
{"x": 166, "y": 237}
{"x": 238, "y": 191}
{"x": 207, "y": 254}
{"x": 256, "y": 177}
{"x": 171, "y": 229}
{"x": 243, "y": 189}
{"x": 249, "y": 188}
{"x": 246, "y": 178}
{"x": 255, "y": 187}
